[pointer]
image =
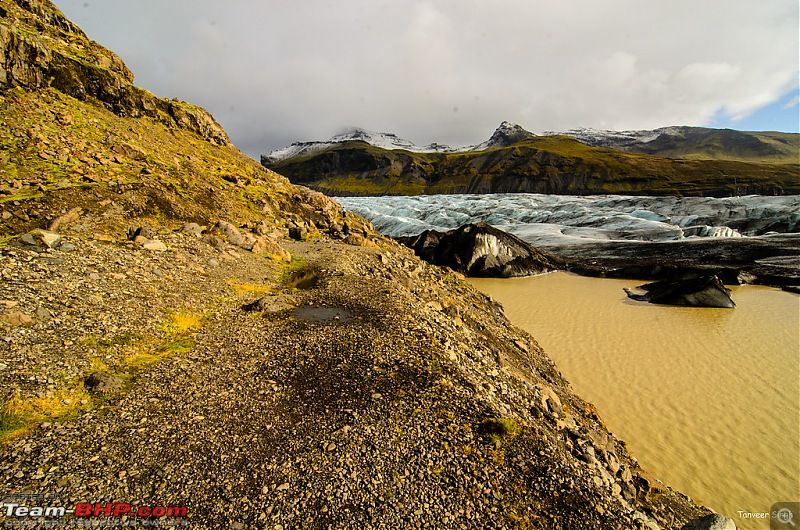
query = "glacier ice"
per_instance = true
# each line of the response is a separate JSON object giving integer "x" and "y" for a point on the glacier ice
{"x": 556, "y": 220}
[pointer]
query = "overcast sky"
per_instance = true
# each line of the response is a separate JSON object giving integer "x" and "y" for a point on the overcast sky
{"x": 274, "y": 72}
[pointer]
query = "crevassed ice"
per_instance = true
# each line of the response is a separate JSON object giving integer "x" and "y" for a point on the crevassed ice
{"x": 559, "y": 219}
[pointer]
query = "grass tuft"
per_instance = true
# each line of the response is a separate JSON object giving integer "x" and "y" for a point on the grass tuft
{"x": 248, "y": 288}
{"x": 181, "y": 322}
{"x": 499, "y": 430}
{"x": 19, "y": 415}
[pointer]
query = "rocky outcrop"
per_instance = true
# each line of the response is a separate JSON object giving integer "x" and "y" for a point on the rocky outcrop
{"x": 703, "y": 291}
{"x": 40, "y": 48}
{"x": 482, "y": 250}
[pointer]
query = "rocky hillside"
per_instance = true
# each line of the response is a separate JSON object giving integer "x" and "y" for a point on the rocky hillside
{"x": 183, "y": 329}
{"x": 554, "y": 164}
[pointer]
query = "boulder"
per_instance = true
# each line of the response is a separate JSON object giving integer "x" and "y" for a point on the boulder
{"x": 298, "y": 233}
{"x": 46, "y": 238}
{"x": 482, "y": 250}
{"x": 141, "y": 231}
{"x": 267, "y": 246}
{"x": 713, "y": 521}
{"x": 103, "y": 383}
{"x": 701, "y": 291}
{"x": 233, "y": 235}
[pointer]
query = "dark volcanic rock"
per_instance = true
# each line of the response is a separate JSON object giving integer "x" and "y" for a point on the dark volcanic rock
{"x": 703, "y": 291}
{"x": 482, "y": 250}
{"x": 767, "y": 260}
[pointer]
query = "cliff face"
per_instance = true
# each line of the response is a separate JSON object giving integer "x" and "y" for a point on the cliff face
{"x": 40, "y": 48}
{"x": 545, "y": 164}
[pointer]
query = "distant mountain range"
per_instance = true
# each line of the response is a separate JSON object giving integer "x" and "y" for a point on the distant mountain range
{"x": 698, "y": 143}
{"x": 506, "y": 134}
{"x": 666, "y": 161}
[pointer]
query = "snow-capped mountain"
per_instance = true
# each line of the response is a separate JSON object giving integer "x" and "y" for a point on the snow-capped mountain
{"x": 381, "y": 140}
{"x": 506, "y": 134}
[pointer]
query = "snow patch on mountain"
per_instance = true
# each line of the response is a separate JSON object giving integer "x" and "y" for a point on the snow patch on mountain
{"x": 616, "y": 139}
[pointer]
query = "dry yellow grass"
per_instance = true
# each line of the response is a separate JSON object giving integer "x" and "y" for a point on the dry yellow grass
{"x": 19, "y": 415}
{"x": 182, "y": 322}
{"x": 248, "y": 288}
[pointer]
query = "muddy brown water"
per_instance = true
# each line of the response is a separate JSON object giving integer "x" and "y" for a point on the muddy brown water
{"x": 707, "y": 399}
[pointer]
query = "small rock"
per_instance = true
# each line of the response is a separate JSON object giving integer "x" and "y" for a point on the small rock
{"x": 103, "y": 383}
{"x": 194, "y": 229}
{"x": 283, "y": 487}
{"x": 17, "y": 319}
{"x": 27, "y": 240}
{"x": 155, "y": 245}
{"x": 434, "y": 305}
{"x": 66, "y": 247}
{"x": 43, "y": 314}
{"x": 47, "y": 239}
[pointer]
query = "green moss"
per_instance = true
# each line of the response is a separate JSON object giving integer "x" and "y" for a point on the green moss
{"x": 500, "y": 430}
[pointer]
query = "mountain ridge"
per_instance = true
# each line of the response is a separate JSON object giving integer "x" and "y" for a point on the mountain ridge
{"x": 702, "y": 143}
{"x": 505, "y": 134}
{"x": 534, "y": 164}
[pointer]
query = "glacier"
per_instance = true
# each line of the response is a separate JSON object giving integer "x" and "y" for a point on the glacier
{"x": 559, "y": 220}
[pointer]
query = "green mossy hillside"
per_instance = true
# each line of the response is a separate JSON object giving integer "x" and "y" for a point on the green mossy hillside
{"x": 542, "y": 164}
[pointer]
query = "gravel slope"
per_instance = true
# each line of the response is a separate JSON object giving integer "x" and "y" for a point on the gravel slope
{"x": 390, "y": 394}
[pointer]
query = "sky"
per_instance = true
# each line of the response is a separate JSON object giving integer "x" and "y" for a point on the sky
{"x": 275, "y": 72}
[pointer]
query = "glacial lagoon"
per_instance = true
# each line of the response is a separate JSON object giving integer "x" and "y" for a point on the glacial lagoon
{"x": 707, "y": 399}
